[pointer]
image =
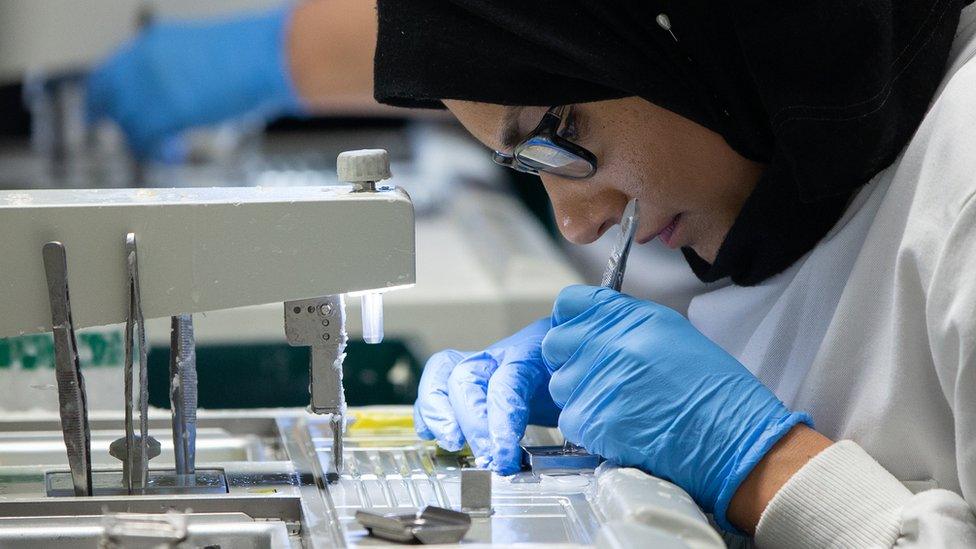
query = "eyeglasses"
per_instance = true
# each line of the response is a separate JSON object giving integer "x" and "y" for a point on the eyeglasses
{"x": 544, "y": 150}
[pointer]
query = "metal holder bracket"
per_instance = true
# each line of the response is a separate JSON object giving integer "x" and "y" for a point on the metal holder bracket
{"x": 433, "y": 525}
{"x": 320, "y": 323}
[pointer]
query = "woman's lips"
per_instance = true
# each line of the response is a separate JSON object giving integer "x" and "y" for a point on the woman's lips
{"x": 659, "y": 232}
{"x": 667, "y": 234}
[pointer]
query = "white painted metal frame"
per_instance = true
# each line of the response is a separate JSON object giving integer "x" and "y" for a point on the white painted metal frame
{"x": 199, "y": 249}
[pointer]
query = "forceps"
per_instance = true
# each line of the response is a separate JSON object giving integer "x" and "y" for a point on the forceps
{"x": 72, "y": 401}
{"x": 613, "y": 275}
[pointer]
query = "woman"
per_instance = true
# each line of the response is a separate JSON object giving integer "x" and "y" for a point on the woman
{"x": 820, "y": 156}
{"x": 809, "y": 154}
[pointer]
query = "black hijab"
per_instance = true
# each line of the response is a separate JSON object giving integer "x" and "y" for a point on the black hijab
{"x": 826, "y": 92}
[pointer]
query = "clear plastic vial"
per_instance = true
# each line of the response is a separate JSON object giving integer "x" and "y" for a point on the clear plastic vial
{"x": 372, "y": 306}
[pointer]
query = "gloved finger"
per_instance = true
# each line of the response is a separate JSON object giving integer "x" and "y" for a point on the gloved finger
{"x": 434, "y": 414}
{"x": 574, "y": 300}
{"x": 468, "y": 392}
{"x": 564, "y": 343}
{"x": 572, "y": 388}
{"x": 565, "y": 381}
{"x": 510, "y": 391}
{"x": 419, "y": 425}
{"x": 570, "y": 425}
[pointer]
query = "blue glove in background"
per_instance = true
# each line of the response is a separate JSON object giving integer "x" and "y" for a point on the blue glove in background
{"x": 640, "y": 386}
{"x": 180, "y": 74}
{"x": 487, "y": 398}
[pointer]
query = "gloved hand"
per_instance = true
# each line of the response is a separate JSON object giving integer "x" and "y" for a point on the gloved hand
{"x": 640, "y": 386}
{"x": 177, "y": 75}
{"x": 487, "y": 398}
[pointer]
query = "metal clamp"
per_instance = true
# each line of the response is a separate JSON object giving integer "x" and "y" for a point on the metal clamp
{"x": 320, "y": 323}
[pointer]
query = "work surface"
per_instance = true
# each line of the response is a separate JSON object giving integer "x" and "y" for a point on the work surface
{"x": 276, "y": 497}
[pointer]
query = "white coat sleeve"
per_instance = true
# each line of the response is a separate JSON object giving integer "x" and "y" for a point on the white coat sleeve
{"x": 843, "y": 497}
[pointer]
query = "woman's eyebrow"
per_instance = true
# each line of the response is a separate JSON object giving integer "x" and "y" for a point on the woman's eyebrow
{"x": 510, "y": 134}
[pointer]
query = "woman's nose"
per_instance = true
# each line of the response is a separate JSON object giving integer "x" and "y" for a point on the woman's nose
{"x": 583, "y": 214}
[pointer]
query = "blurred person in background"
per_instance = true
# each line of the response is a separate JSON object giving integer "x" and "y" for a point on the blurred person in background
{"x": 293, "y": 60}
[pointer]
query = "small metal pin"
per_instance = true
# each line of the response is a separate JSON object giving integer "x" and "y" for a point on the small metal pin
{"x": 337, "y": 424}
{"x": 664, "y": 22}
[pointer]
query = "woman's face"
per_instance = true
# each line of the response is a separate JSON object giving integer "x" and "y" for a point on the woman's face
{"x": 690, "y": 183}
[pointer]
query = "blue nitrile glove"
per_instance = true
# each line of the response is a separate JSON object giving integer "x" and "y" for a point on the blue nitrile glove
{"x": 640, "y": 386}
{"x": 487, "y": 398}
{"x": 180, "y": 74}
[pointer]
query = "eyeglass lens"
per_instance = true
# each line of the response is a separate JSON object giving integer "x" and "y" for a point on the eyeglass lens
{"x": 545, "y": 156}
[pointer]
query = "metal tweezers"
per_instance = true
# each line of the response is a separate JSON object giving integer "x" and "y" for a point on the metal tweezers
{"x": 613, "y": 278}
{"x": 134, "y": 316}
{"x": 72, "y": 402}
{"x": 183, "y": 392}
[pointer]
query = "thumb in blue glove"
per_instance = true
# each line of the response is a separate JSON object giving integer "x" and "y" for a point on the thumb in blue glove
{"x": 487, "y": 398}
{"x": 177, "y": 75}
{"x": 640, "y": 386}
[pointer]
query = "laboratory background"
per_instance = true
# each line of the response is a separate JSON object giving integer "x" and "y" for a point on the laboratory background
{"x": 216, "y": 309}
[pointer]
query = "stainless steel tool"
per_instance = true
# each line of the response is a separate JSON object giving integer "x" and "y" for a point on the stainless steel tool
{"x": 558, "y": 460}
{"x": 183, "y": 392}
{"x": 72, "y": 402}
{"x": 613, "y": 278}
{"x": 129, "y": 530}
{"x": 433, "y": 525}
{"x": 137, "y": 458}
{"x": 123, "y": 452}
{"x": 476, "y": 491}
{"x": 319, "y": 323}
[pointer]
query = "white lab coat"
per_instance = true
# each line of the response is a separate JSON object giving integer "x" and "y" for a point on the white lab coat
{"x": 874, "y": 334}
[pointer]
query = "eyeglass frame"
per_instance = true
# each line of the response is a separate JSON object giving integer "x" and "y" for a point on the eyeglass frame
{"x": 548, "y": 131}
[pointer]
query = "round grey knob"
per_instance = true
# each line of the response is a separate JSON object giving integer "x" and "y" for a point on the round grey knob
{"x": 365, "y": 165}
